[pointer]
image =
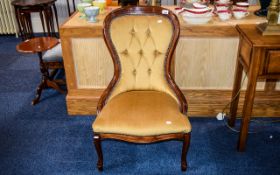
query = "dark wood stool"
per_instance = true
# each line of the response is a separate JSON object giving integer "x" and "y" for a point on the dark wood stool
{"x": 259, "y": 57}
{"x": 45, "y": 8}
{"x": 39, "y": 45}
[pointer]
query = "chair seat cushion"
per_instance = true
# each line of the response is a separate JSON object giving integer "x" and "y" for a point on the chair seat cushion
{"x": 54, "y": 54}
{"x": 141, "y": 113}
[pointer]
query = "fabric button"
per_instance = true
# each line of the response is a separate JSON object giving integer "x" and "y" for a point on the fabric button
{"x": 133, "y": 32}
{"x": 125, "y": 52}
{"x": 149, "y": 71}
{"x": 157, "y": 53}
{"x": 148, "y": 32}
{"x": 134, "y": 72}
{"x": 141, "y": 52}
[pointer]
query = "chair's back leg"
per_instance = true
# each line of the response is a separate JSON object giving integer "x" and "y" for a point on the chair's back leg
{"x": 97, "y": 143}
{"x": 186, "y": 144}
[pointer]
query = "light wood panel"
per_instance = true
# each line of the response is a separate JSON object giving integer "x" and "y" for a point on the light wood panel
{"x": 201, "y": 63}
{"x": 202, "y": 103}
{"x": 207, "y": 63}
{"x": 93, "y": 63}
{"x": 210, "y": 69}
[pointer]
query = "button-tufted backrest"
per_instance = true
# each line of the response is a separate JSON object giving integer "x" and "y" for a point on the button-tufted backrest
{"x": 141, "y": 41}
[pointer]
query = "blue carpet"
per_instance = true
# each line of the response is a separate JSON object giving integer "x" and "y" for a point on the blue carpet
{"x": 43, "y": 139}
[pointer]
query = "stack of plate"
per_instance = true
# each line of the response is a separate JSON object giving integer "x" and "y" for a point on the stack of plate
{"x": 197, "y": 15}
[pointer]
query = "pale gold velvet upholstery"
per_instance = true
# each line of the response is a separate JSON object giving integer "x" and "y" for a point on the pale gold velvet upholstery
{"x": 141, "y": 113}
{"x": 141, "y": 43}
{"x": 141, "y": 102}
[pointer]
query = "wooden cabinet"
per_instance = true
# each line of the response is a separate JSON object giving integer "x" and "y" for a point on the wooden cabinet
{"x": 259, "y": 57}
{"x": 203, "y": 66}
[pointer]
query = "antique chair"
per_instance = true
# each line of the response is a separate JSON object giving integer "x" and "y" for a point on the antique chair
{"x": 142, "y": 103}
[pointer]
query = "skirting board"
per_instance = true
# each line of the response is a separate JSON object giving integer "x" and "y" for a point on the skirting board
{"x": 202, "y": 103}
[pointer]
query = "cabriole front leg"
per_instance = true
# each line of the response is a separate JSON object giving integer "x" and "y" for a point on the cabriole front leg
{"x": 186, "y": 144}
{"x": 97, "y": 143}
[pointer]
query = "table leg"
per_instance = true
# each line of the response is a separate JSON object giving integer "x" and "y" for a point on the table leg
{"x": 68, "y": 7}
{"x": 17, "y": 13}
{"x": 235, "y": 93}
{"x": 46, "y": 81}
{"x": 43, "y": 84}
{"x": 56, "y": 17}
{"x": 249, "y": 98}
{"x": 42, "y": 22}
{"x": 52, "y": 24}
{"x": 47, "y": 15}
{"x": 25, "y": 24}
{"x": 29, "y": 25}
{"x": 54, "y": 85}
{"x": 50, "y": 20}
{"x": 74, "y": 6}
{"x": 39, "y": 90}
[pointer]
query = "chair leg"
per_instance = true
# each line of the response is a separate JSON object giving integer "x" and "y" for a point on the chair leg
{"x": 97, "y": 143}
{"x": 186, "y": 144}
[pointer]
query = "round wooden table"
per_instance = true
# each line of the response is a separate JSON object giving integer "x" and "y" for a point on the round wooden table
{"x": 39, "y": 45}
{"x": 45, "y": 8}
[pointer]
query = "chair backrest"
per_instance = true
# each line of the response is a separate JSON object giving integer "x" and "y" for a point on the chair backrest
{"x": 141, "y": 41}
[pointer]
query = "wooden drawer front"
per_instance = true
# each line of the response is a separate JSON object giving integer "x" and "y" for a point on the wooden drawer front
{"x": 245, "y": 52}
{"x": 272, "y": 65}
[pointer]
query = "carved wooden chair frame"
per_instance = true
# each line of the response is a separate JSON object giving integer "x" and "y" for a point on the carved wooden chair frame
{"x": 185, "y": 137}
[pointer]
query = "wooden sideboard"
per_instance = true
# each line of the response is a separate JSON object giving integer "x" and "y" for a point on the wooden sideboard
{"x": 203, "y": 68}
{"x": 259, "y": 57}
